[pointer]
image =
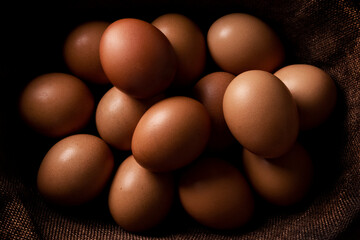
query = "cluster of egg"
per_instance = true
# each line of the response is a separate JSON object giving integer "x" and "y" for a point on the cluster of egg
{"x": 164, "y": 109}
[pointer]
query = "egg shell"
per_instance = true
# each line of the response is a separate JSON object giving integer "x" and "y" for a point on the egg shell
{"x": 189, "y": 45}
{"x": 282, "y": 181}
{"x": 117, "y": 115}
{"x": 56, "y": 104}
{"x": 171, "y": 134}
{"x": 313, "y": 90}
{"x": 210, "y": 90}
{"x": 139, "y": 199}
{"x": 137, "y": 57}
{"x": 75, "y": 170}
{"x": 216, "y": 194}
{"x": 261, "y": 113}
{"x": 81, "y": 51}
{"x": 240, "y": 42}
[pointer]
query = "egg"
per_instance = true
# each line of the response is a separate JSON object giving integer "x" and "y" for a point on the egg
{"x": 117, "y": 115}
{"x": 282, "y": 181}
{"x": 139, "y": 199}
{"x": 56, "y": 104}
{"x": 261, "y": 113}
{"x": 216, "y": 194}
{"x": 171, "y": 134}
{"x": 75, "y": 170}
{"x": 240, "y": 42}
{"x": 189, "y": 44}
{"x": 313, "y": 90}
{"x": 81, "y": 51}
{"x": 210, "y": 90}
{"x": 137, "y": 57}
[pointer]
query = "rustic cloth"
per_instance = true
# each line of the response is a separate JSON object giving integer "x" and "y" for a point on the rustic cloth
{"x": 324, "y": 33}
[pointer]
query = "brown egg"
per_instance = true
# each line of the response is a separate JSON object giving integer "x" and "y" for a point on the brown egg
{"x": 81, "y": 51}
{"x": 239, "y": 42}
{"x": 282, "y": 181}
{"x": 216, "y": 194}
{"x": 137, "y": 57}
{"x": 313, "y": 90}
{"x": 261, "y": 113}
{"x": 189, "y": 44}
{"x": 210, "y": 91}
{"x": 117, "y": 115}
{"x": 139, "y": 199}
{"x": 171, "y": 134}
{"x": 75, "y": 170}
{"x": 56, "y": 104}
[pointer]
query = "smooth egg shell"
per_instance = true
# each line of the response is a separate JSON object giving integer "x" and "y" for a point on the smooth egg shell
{"x": 189, "y": 45}
{"x": 216, "y": 194}
{"x": 240, "y": 42}
{"x": 261, "y": 113}
{"x": 313, "y": 90}
{"x": 171, "y": 134}
{"x": 75, "y": 170}
{"x": 137, "y": 57}
{"x": 210, "y": 90}
{"x": 139, "y": 199}
{"x": 117, "y": 115}
{"x": 81, "y": 51}
{"x": 56, "y": 104}
{"x": 281, "y": 181}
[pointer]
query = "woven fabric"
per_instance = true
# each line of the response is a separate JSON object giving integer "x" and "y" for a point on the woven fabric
{"x": 319, "y": 32}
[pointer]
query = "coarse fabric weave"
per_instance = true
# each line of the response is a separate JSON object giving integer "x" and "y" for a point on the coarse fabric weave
{"x": 324, "y": 33}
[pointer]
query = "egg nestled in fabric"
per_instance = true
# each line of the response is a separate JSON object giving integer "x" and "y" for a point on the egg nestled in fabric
{"x": 139, "y": 199}
{"x": 75, "y": 170}
{"x": 216, "y": 194}
{"x": 282, "y": 181}
{"x": 313, "y": 90}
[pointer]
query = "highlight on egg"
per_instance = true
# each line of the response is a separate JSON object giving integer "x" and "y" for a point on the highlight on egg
{"x": 189, "y": 45}
{"x": 56, "y": 104}
{"x": 239, "y": 42}
{"x": 137, "y": 57}
{"x": 261, "y": 113}
{"x": 313, "y": 90}
{"x": 75, "y": 170}
{"x": 117, "y": 115}
{"x": 171, "y": 134}
{"x": 139, "y": 199}
{"x": 81, "y": 51}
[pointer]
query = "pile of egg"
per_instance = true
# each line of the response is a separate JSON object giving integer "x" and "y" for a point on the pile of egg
{"x": 175, "y": 120}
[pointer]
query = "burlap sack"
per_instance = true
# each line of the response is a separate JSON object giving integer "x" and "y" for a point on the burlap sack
{"x": 319, "y": 32}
